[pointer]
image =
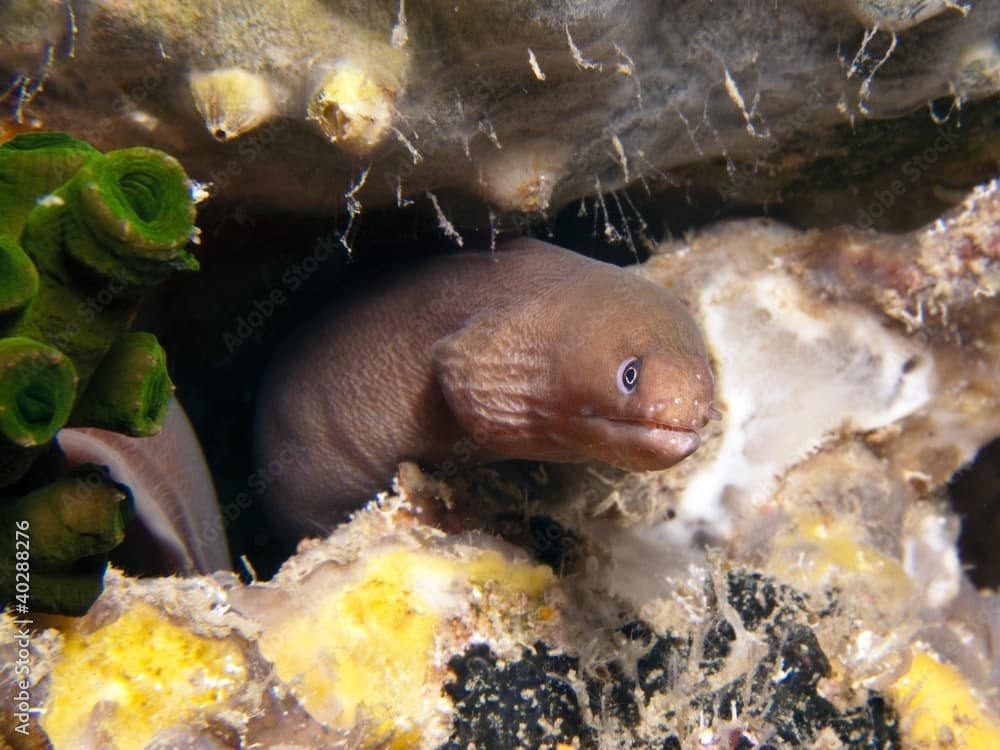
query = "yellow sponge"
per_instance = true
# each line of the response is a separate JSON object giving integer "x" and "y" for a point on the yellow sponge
{"x": 141, "y": 673}
{"x": 938, "y": 708}
{"x": 366, "y": 650}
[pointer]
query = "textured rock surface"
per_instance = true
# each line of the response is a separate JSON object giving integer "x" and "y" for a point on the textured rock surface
{"x": 315, "y": 105}
{"x": 392, "y": 634}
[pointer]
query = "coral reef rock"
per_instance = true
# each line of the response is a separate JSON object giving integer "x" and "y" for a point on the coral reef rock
{"x": 319, "y": 105}
{"x": 794, "y": 584}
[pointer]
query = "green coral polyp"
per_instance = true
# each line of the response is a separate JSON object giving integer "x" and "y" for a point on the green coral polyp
{"x": 135, "y": 205}
{"x": 37, "y": 391}
{"x": 31, "y": 166}
{"x": 130, "y": 391}
{"x": 143, "y": 195}
{"x": 36, "y": 405}
{"x": 75, "y": 521}
{"x": 78, "y": 515}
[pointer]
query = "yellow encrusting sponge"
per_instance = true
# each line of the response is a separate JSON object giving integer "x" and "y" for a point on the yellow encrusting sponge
{"x": 141, "y": 673}
{"x": 939, "y": 710}
{"x": 366, "y": 650}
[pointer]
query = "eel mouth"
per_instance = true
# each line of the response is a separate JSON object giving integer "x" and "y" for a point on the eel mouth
{"x": 650, "y": 424}
{"x": 635, "y": 443}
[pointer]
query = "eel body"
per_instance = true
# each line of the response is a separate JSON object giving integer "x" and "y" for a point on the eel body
{"x": 178, "y": 527}
{"x": 533, "y": 352}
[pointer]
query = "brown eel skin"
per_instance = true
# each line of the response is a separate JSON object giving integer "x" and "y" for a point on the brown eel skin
{"x": 532, "y": 352}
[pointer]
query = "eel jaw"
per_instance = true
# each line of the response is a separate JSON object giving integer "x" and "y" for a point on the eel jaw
{"x": 633, "y": 444}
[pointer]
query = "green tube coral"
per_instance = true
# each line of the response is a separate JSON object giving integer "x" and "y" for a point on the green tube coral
{"x": 31, "y": 166}
{"x": 37, "y": 390}
{"x": 130, "y": 391}
{"x": 117, "y": 228}
{"x": 18, "y": 278}
{"x": 78, "y": 515}
{"x": 73, "y": 523}
{"x": 133, "y": 216}
{"x": 83, "y": 236}
{"x": 74, "y": 320}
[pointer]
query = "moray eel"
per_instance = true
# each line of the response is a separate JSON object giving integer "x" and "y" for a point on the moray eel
{"x": 533, "y": 352}
{"x": 178, "y": 526}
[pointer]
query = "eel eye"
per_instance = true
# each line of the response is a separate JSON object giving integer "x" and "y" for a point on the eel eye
{"x": 628, "y": 375}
